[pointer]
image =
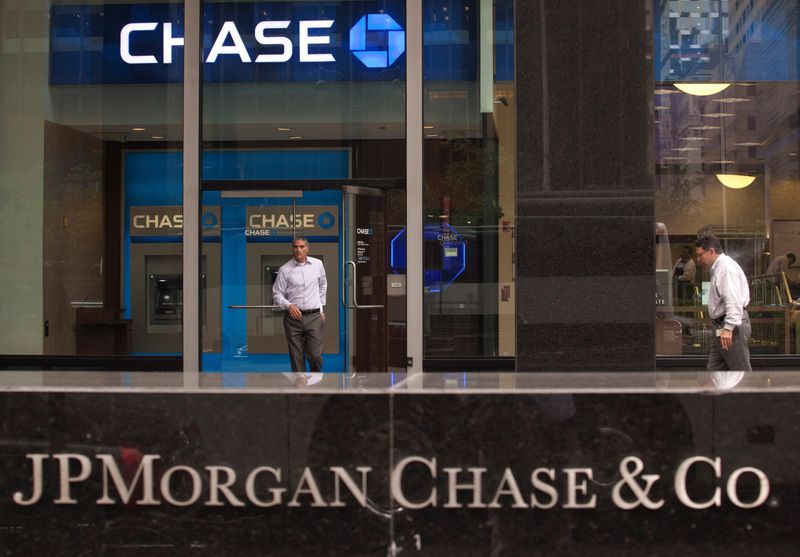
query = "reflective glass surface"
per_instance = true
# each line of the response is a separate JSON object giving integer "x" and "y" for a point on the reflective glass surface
{"x": 726, "y": 164}
{"x": 469, "y": 202}
{"x": 81, "y": 120}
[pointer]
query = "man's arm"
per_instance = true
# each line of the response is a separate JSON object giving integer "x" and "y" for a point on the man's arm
{"x": 323, "y": 285}
{"x": 734, "y": 299}
{"x": 279, "y": 289}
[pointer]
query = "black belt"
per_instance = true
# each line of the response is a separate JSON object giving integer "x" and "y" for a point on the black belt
{"x": 309, "y": 311}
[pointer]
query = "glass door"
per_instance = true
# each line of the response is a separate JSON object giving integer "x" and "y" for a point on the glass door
{"x": 365, "y": 290}
{"x": 256, "y": 233}
{"x": 364, "y": 307}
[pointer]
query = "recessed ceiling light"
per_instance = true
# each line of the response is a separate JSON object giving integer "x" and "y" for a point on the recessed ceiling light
{"x": 703, "y": 128}
{"x": 717, "y": 115}
{"x": 662, "y": 108}
{"x": 156, "y": 137}
{"x": 296, "y": 137}
{"x": 284, "y": 129}
{"x": 733, "y": 100}
{"x": 694, "y": 139}
{"x": 138, "y": 129}
{"x": 431, "y": 135}
{"x": 686, "y": 149}
{"x": 428, "y": 127}
{"x": 748, "y": 144}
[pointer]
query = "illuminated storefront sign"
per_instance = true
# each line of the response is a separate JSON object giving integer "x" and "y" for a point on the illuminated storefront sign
{"x": 243, "y": 42}
{"x": 447, "y": 255}
{"x": 248, "y": 42}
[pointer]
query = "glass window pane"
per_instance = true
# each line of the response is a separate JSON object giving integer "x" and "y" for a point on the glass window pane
{"x": 469, "y": 188}
{"x": 727, "y": 165}
{"x": 93, "y": 102}
{"x": 304, "y": 134}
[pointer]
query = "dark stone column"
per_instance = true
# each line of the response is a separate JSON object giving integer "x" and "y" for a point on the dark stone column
{"x": 585, "y": 226}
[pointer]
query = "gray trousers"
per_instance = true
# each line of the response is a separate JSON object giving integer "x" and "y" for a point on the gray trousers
{"x": 737, "y": 357}
{"x": 304, "y": 337}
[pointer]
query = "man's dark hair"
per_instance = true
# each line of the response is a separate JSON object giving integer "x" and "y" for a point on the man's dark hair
{"x": 708, "y": 242}
{"x": 791, "y": 257}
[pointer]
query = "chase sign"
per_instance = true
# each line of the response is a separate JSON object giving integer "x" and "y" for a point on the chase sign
{"x": 242, "y": 42}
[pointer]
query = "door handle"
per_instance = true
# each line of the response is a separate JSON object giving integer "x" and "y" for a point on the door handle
{"x": 355, "y": 305}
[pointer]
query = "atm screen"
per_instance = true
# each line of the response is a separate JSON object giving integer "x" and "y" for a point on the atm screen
{"x": 166, "y": 299}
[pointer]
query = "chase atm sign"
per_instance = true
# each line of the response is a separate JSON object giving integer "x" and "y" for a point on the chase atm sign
{"x": 242, "y": 42}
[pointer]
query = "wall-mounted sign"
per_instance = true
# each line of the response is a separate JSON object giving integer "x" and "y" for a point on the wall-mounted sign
{"x": 631, "y": 491}
{"x": 269, "y": 42}
{"x": 168, "y": 221}
{"x": 445, "y": 255}
{"x": 363, "y": 243}
{"x": 242, "y": 42}
{"x": 306, "y": 220}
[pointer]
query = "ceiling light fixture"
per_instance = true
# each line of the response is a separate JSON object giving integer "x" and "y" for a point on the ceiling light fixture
{"x": 701, "y": 89}
{"x": 735, "y": 181}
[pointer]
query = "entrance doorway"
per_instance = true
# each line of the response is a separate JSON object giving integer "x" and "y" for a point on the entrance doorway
{"x": 347, "y": 230}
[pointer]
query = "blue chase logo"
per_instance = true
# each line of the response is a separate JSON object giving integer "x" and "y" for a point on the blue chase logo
{"x": 326, "y": 220}
{"x": 377, "y": 40}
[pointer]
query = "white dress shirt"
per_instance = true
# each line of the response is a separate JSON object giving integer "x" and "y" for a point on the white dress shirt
{"x": 729, "y": 293}
{"x": 302, "y": 284}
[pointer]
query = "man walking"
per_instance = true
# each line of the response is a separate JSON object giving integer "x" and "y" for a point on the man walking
{"x": 728, "y": 297}
{"x": 300, "y": 289}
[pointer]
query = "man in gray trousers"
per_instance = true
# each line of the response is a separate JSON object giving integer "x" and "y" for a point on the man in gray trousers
{"x": 300, "y": 289}
{"x": 728, "y": 297}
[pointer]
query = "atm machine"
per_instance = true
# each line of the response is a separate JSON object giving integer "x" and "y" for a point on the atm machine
{"x": 155, "y": 277}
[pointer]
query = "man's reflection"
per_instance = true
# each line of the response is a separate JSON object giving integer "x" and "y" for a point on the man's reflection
{"x": 722, "y": 380}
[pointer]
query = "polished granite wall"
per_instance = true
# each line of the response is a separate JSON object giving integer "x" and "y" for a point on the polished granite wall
{"x": 585, "y": 225}
{"x": 448, "y": 441}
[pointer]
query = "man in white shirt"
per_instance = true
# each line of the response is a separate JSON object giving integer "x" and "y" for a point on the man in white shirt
{"x": 728, "y": 297}
{"x": 300, "y": 289}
